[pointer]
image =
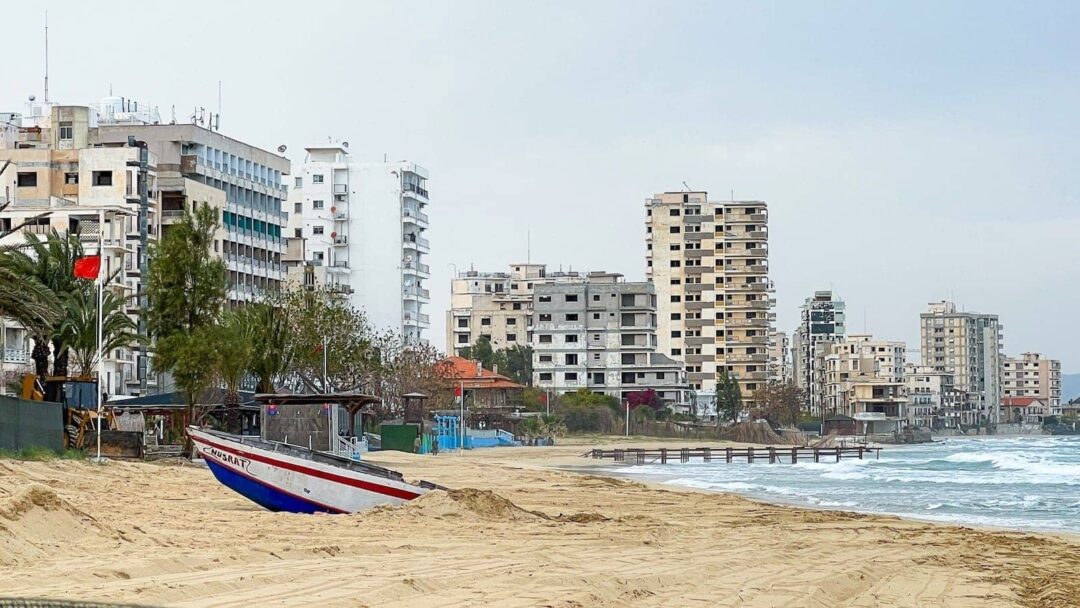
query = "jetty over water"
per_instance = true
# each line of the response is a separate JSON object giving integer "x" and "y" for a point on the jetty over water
{"x": 749, "y": 455}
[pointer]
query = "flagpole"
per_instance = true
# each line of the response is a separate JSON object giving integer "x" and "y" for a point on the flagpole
{"x": 100, "y": 298}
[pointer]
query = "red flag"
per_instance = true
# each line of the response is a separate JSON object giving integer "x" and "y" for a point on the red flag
{"x": 88, "y": 267}
{"x": 457, "y": 390}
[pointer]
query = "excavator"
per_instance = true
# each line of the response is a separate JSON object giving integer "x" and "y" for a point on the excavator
{"x": 79, "y": 398}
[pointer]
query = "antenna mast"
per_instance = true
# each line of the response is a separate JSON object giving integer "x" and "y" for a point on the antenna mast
{"x": 46, "y": 57}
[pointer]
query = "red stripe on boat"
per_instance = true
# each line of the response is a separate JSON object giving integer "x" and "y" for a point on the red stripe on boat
{"x": 348, "y": 481}
{"x": 275, "y": 488}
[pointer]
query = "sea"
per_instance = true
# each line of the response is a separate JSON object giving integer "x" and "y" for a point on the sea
{"x": 1023, "y": 483}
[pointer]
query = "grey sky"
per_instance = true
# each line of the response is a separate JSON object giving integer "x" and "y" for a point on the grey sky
{"x": 908, "y": 152}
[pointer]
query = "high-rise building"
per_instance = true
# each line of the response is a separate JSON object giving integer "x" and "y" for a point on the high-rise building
{"x": 709, "y": 262}
{"x": 52, "y": 178}
{"x": 497, "y": 305}
{"x": 1032, "y": 375}
{"x": 241, "y": 182}
{"x": 600, "y": 335}
{"x": 822, "y": 323}
{"x": 362, "y": 229}
{"x": 779, "y": 358}
{"x": 967, "y": 345}
{"x": 855, "y": 358}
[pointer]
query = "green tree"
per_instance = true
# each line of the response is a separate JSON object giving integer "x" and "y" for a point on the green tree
{"x": 232, "y": 342}
{"x": 515, "y": 363}
{"x": 269, "y": 333}
{"x": 185, "y": 290}
{"x": 480, "y": 351}
{"x": 24, "y": 298}
{"x": 78, "y": 330}
{"x": 780, "y": 404}
{"x": 50, "y": 262}
{"x": 728, "y": 398}
{"x": 323, "y": 328}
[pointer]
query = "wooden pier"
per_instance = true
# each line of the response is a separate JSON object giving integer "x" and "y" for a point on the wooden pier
{"x": 774, "y": 455}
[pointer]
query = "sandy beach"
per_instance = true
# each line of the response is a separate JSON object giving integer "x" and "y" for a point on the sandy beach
{"x": 519, "y": 530}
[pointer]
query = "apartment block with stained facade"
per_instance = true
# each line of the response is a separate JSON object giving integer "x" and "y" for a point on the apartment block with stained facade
{"x": 969, "y": 346}
{"x": 1032, "y": 375}
{"x": 497, "y": 305}
{"x": 709, "y": 262}
{"x": 822, "y": 323}
{"x": 52, "y": 177}
{"x": 779, "y": 358}
{"x": 600, "y": 335}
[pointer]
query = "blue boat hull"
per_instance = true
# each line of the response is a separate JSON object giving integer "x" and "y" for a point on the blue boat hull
{"x": 262, "y": 494}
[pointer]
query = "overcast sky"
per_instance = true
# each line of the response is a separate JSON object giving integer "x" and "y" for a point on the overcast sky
{"x": 908, "y": 152}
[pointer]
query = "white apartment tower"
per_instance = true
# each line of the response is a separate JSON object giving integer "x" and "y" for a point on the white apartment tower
{"x": 363, "y": 227}
{"x": 709, "y": 262}
{"x": 967, "y": 345}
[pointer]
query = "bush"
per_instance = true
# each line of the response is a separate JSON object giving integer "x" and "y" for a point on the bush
{"x": 585, "y": 418}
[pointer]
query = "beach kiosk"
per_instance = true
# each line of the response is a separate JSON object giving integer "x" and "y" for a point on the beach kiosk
{"x": 330, "y": 422}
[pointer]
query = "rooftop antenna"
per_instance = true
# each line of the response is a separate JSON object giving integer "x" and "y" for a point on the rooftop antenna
{"x": 46, "y": 57}
{"x": 219, "y": 105}
{"x": 528, "y": 246}
{"x": 686, "y": 187}
{"x": 733, "y": 195}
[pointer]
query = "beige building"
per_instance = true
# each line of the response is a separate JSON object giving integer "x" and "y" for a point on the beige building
{"x": 934, "y": 402}
{"x": 709, "y": 261}
{"x": 1032, "y": 375}
{"x": 498, "y": 305}
{"x": 967, "y": 345}
{"x": 51, "y": 179}
{"x": 856, "y": 358}
{"x": 779, "y": 358}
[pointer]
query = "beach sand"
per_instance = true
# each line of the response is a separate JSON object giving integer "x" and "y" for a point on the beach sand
{"x": 516, "y": 532}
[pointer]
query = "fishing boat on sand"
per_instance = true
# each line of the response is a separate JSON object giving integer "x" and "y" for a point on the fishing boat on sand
{"x": 281, "y": 476}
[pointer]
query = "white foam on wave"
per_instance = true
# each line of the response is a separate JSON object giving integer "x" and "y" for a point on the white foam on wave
{"x": 1066, "y": 472}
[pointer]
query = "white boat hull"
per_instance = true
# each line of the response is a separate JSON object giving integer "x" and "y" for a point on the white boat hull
{"x": 282, "y": 482}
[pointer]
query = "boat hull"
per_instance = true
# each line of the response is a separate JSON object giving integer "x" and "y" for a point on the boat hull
{"x": 284, "y": 482}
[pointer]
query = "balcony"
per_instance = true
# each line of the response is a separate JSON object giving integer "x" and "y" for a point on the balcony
{"x": 17, "y": 356}
{"x": 696, "y": 218}
{"x": 747, "y": 218}
{"x": 699, "y": 340}
{"x": 410, "y": 216}
{"x": 697, "y": 270}
{"x": 421, "y": 319}
{"x": 744, "y": 358}
{"x": 338, "y": 266}
{"x": 697, "y": 305}
{"x": 696, "y": 236}
{"x": 413, "y": 293}
{"x": 341, "y": 188}
{"x": 412, "y": 241}
{"x": 414, "y": 190}
{"x": 698, "y": 287}
{"x": 753, "y": 304}
{"x": 341, "y": 241}
{"x": 693, "y": 254}
{"x": 750, "y": 252}
{"x": 698, "y": 322}
{"x": 744, "y": 376}
{"x": 756, "y": 322}
{"x": 417, "y": 268}
{"x": 746, "y": 269}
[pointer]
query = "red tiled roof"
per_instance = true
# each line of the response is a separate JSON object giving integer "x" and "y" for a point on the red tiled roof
{"x": 464, "y": 371}
{"x": 1018, "y": 401}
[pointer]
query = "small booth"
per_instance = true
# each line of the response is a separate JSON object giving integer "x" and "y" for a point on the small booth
{"x": 330, "y": 422}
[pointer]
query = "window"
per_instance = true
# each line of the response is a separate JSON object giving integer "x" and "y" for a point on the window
{"x": 545, "y": 359}
{"x": 596, "y": 316}
{"x": 102, "y": 178}
{"x": 545, "y": 317}
{"x": 463, "y": 322}
{"x": 676, "y": 334}
{"x": 572, "y": 316}
{"x": 676, "y": 281}
{"x": 299, "y": 182}
{"x": 570, "y": 376}
{"x": 319, "y": 256}
{"x": 66, "y": 131}
{"x": 571, "y": 297}
{"x": 660, "y": 375}
{"x": 627, "y": 358}
{"x": 26, "y": 179}
{"x": 676, "y": 298}
{"x": 485, "y": 321}
{"x": 675, "y": 263}
{"x": 317, "y": 178}
{"x": 675, "y": 352}
{"x": 71, "y": 178}
{"x": 298, "y": 233}
{"x": 628, "y": 378}
{"x": 673, "y": 211}
{"x": 570, "y": 338}
{"x": 511, "y": 337}
{"x": 674, "y": 230}
{"x": 316, "y": 204}
{"x": 545, "y": 376}
{"x": 317, "y": 230}
{"x": 544, "y": 299}
{"x": 463, "y": 338}
{"x": 596, "y": 297}
{"x": 571, "y": 359}
{"x": 517, "y": 306}
{"x": 596, "y": 337}
{"x": 596, "y": 356}
{"x": 511, "y": 321}
{"x": 676, "y": 316}
{"x": 298, "y": 207}
{"x": 676, "y": 247}
{"x": 545, "y": 338}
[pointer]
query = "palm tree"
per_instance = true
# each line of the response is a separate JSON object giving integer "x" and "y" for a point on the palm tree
{"x": 232, "y": 347}
{"x": 50, "y": 262}
{"x": 268, "y": 332}
{"x": 22, "y": 298}
{"x": 78, "y": 331}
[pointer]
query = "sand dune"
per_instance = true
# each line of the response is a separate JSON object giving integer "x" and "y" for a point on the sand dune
{"x": 515, "y": 532}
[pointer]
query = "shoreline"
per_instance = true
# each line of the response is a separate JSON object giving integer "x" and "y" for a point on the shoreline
{"x": 518, "y": 531}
